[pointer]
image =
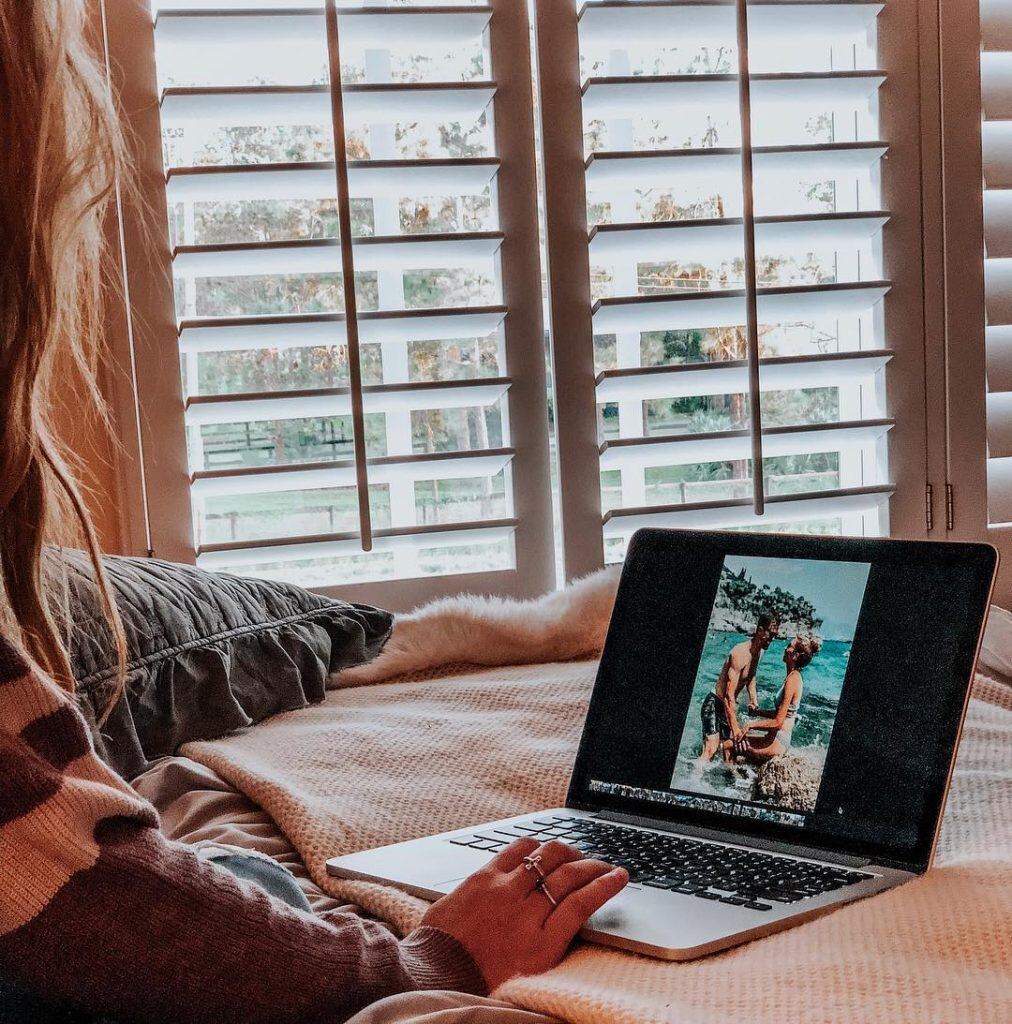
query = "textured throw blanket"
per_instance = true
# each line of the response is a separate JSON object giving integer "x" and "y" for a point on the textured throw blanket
{"x": 392, "y": 761}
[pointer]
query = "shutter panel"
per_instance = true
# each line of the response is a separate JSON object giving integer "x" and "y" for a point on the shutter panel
{"x": 996, "y": 140}
{"x": 437, "y": 113}
{"x": 668, "y": 222}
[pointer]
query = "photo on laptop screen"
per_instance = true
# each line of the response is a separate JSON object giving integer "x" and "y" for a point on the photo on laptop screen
{"x": 769, "y": 681}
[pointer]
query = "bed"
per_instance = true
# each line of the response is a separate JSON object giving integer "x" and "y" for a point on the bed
{"x": 323, "y": 752}
{"x": 381, "y": 763}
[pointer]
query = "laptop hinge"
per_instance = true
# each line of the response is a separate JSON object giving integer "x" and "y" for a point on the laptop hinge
{"x": 752, "y": 842}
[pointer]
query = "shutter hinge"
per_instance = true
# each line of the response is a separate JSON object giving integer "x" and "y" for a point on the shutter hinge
{"x": 950, "y": 514}
{"x": 929, "y": 509}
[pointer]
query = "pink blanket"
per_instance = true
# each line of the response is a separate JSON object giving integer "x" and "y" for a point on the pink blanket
{"x": 387, "y": 762}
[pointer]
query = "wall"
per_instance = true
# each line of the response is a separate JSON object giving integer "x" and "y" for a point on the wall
{"x": 99, "y": 456}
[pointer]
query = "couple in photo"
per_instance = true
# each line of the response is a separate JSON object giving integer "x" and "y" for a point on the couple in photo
{"x": 766, "y": 735}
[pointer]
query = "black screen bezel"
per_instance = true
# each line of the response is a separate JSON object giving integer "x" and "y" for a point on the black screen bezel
{"x": 689, "y": 546}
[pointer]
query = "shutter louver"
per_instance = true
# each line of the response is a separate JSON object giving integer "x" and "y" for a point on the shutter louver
{"x": 668, "y": 200}
{"x": 445, "y": 279}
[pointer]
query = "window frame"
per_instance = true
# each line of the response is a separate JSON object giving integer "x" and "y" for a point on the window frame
{"x": 953, "y": 85}
{"x": 959, "y": 389}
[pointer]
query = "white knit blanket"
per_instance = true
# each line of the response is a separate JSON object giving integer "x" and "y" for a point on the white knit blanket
{"x": 393, "y": 761}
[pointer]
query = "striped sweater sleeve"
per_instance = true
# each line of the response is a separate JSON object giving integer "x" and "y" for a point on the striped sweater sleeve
{"x": 98, "y": 909}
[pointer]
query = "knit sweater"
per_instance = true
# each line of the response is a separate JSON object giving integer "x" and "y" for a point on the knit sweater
{"x": 98, "y": 909}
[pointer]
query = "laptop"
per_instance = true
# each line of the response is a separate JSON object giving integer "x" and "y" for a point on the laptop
{"x": 771, "y": 735}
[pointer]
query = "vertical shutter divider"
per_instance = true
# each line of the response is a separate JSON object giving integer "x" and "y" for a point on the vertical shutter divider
{"x": 751, "y": 283}
{"x": 348, "y": 275}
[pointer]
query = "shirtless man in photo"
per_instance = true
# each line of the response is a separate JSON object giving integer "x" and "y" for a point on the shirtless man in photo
{"x": 719, "y": 710}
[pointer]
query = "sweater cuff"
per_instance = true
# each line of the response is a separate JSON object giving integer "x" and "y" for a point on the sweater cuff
{"x": 436, "y": 960}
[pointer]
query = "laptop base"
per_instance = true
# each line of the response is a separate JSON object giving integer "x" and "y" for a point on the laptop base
{"x": 643, "y": 919}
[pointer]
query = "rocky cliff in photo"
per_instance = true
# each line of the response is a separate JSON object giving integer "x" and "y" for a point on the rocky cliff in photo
{"x": 740, "y": 602}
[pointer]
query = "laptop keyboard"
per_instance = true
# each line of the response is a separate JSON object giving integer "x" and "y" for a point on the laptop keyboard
{"x": 727, "y": 874}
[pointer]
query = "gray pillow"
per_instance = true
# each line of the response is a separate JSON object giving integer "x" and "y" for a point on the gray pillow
{"x": 207, "y": 652}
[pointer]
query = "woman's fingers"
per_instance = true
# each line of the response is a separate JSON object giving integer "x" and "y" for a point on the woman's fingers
{"x": 573, "y": 875}
{"x": 549, "y": 857}
{"x": 513, "y": 856}
{"x": 572, "y": 912}
{"x": 556, "y": 853}
{"x": 553, "y": 856}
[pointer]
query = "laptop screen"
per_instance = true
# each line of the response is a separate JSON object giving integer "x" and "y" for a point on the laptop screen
{"x": 808, "y": 689}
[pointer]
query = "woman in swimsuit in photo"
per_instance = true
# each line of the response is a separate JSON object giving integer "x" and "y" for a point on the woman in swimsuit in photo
{"x": 766, "y": 738}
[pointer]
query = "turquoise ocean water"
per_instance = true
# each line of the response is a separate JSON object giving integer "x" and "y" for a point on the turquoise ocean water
{"x": 823, "y": 681}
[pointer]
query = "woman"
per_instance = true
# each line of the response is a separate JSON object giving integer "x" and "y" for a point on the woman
{"x": 97, "y": 910}
{"x": 766, "y": 738}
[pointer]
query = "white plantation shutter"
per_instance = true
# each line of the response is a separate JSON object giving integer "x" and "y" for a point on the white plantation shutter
{"x": 451, "y": 447}
{"x": 742, "y": 303}
{"x": 655, "y": 221}
{"x": 996, "y": 132}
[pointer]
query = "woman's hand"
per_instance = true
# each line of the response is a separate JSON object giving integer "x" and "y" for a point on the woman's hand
{"x": 508, "y": 925}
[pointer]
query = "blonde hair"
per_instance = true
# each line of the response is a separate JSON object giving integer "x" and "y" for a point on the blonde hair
{"x": 806, "y": 648}
{"x": 60, "y": 159}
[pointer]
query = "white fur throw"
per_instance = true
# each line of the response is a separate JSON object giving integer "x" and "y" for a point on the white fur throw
{"x": 561, "y": 626}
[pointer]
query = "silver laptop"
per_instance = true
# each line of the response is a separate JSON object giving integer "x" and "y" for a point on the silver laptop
{"x": 771, "y": 735}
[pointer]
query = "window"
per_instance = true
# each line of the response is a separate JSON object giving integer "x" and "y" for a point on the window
{"x": 732, "y": 200}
